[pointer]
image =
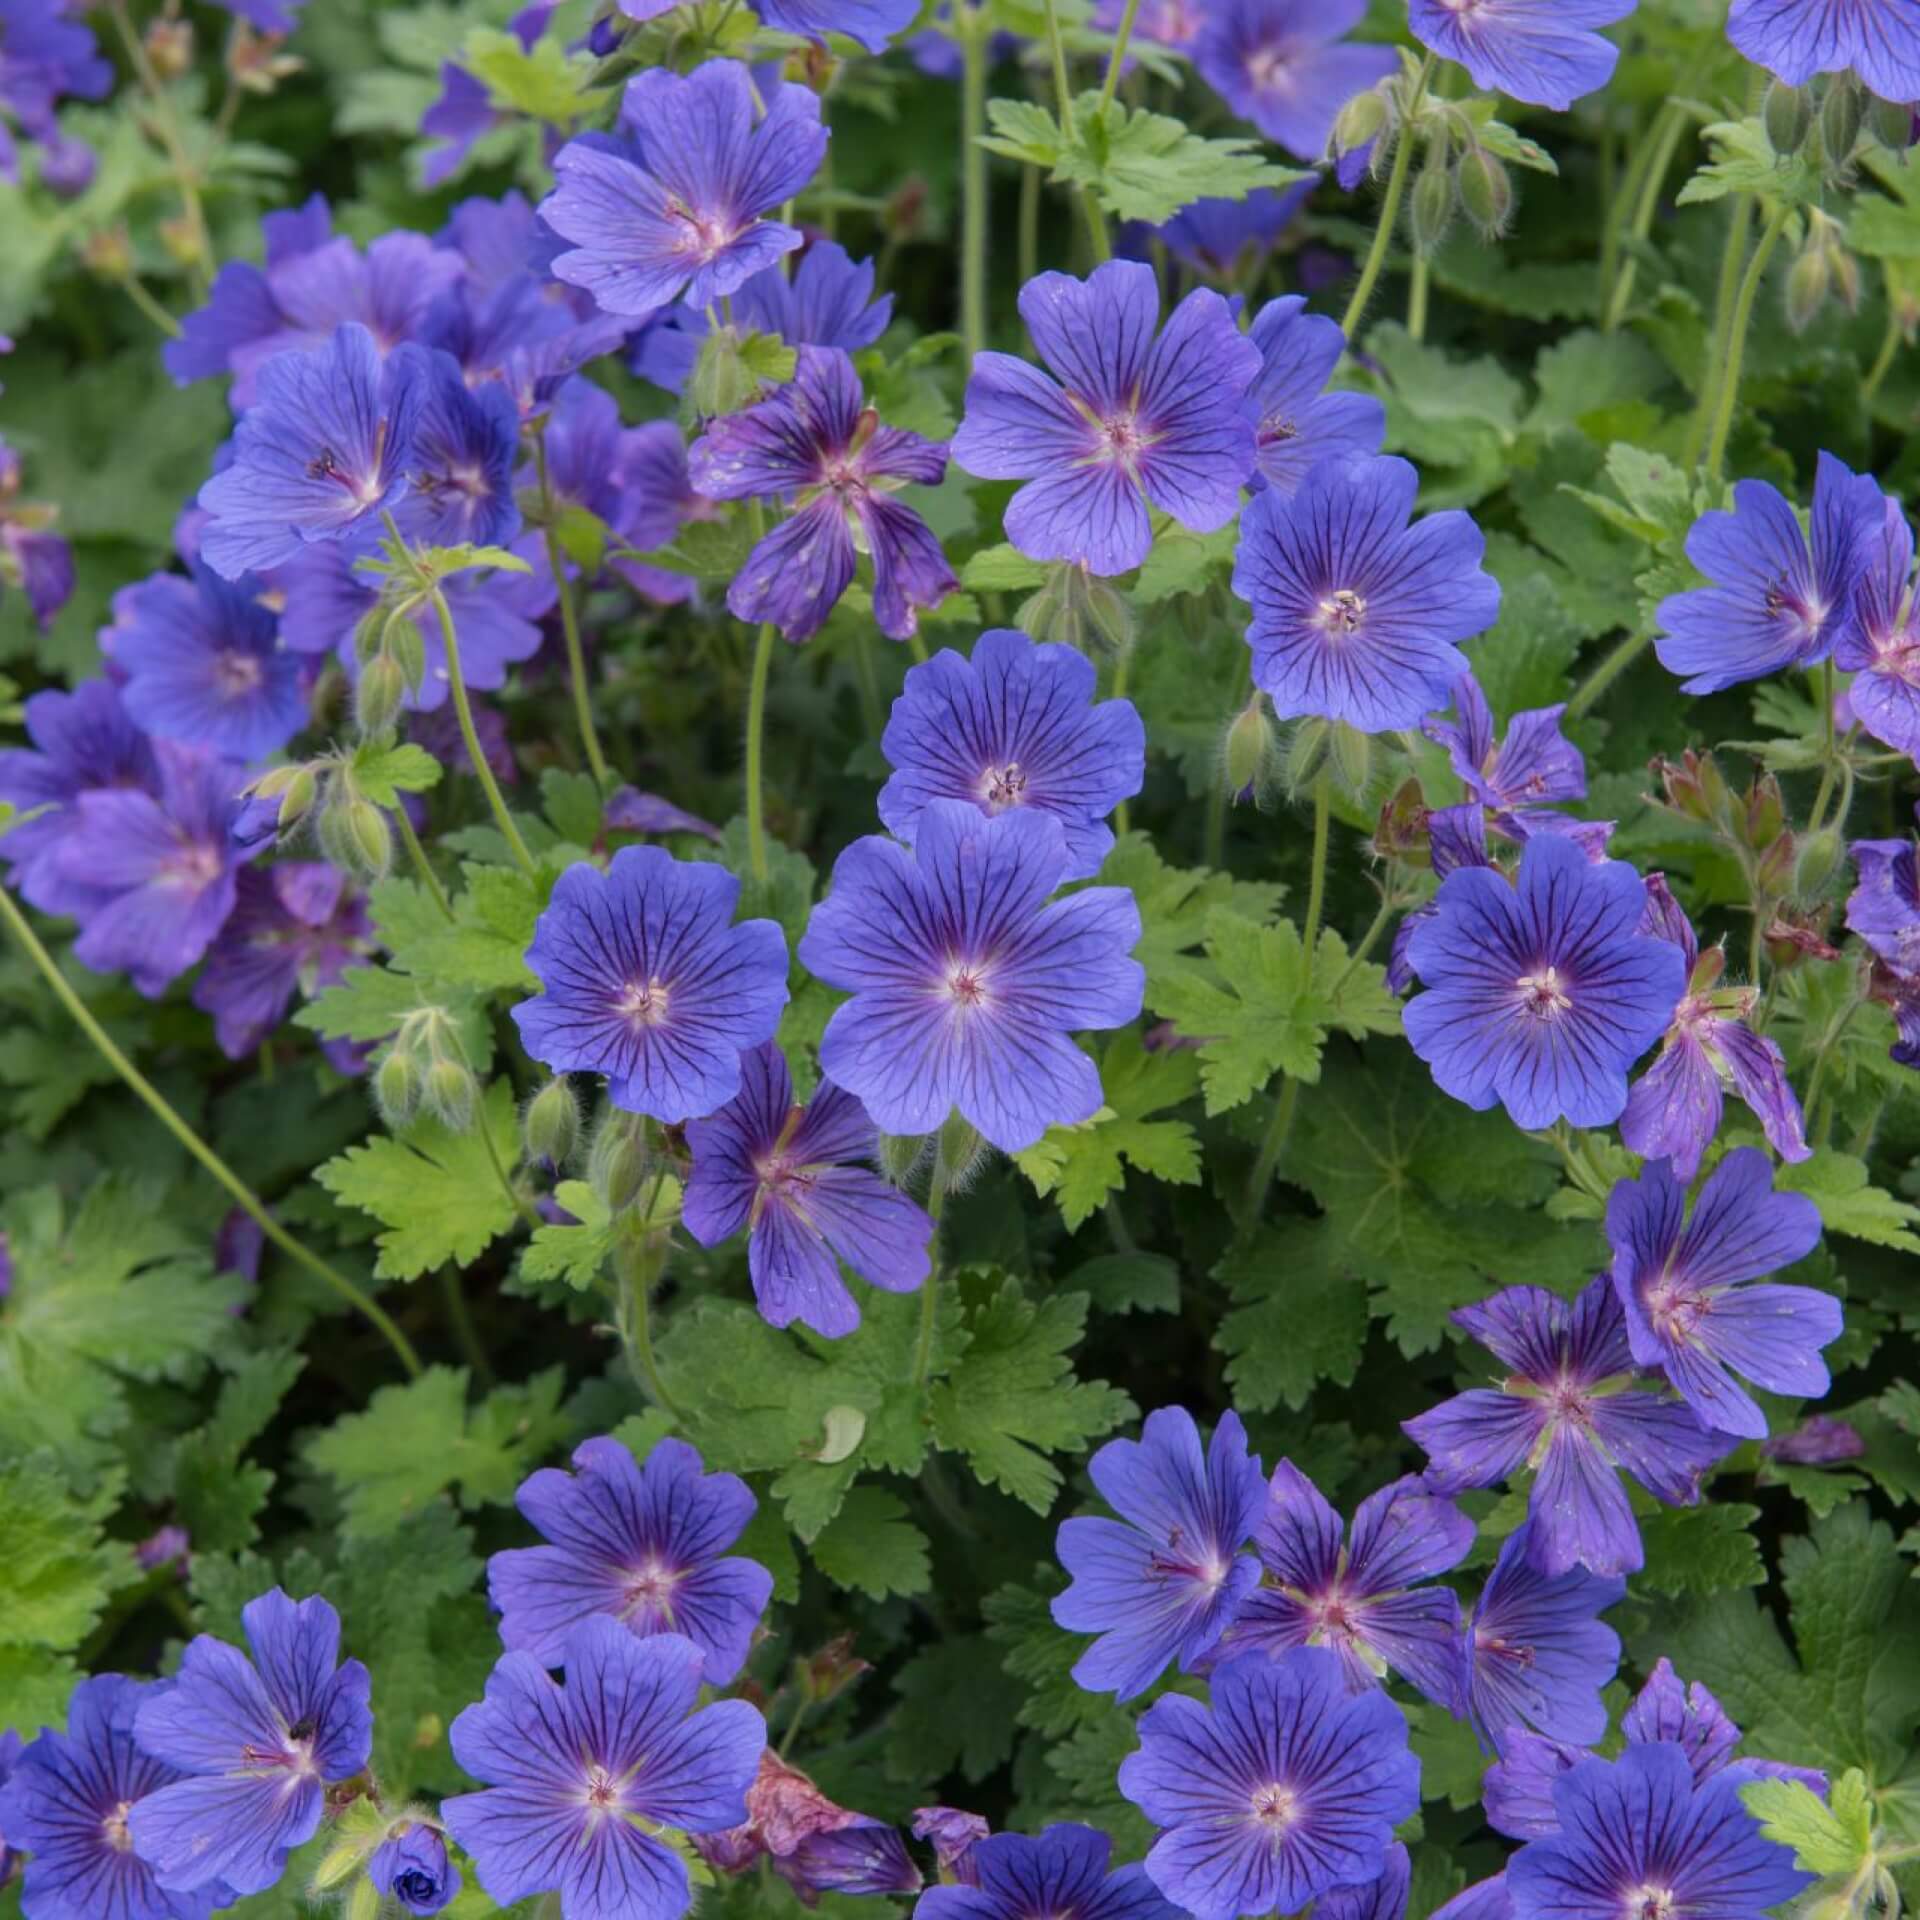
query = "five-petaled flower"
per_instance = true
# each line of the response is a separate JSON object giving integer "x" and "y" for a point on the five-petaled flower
{"x": 1297, "y": 423}
{"x": 1544, "y": 52}
{"x": 1283, "y": 65}
{"x": 1878, "y": 40}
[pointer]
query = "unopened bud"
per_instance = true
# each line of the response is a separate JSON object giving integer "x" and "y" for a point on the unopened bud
{"x": 1307, "y": 754}
{"x": 1430, "y": 212}
{"x": 959, "y": 1152}
{"x": 900, "y": 1153}
{"x": 1846, "y": 276}
{"x": 297, "y": 798}
{"x": 369, "y": 632}
{"x": 369, "y": 837}
{"x": 403, "y": 642}
{"x": 1766, "y": 811}
{"x": 108, "y": 252}
{"x": 1080, "y": 611}
{"x": 1773, "y": 872}
{"x": 553, "y": 1123}
{"x": 1249, "y": 749}
{"x": 1787, "y": 113}
{"x": 618, "y": 1165}
{"x": 396, "y": 1087}
{"x": 181, "y": 238}
{"x": 721, "y": 381}
{"x": 376, "y": 700}
{"x": 1486, "y": 191}
{"x": 1891, "y": 122}
{"x": 827, "y": 1674}
{"x": 1807, "y": 282}
{"x": 1352, "y": 759}
{"x": 1693, "y": 785}
{"x": 1816, "y": 863}
{"x": 1841, "y": 115}
{"x": 1361, "y": 121}
{"x": 450, "y": 1094}
{"x": 170, "y": 47}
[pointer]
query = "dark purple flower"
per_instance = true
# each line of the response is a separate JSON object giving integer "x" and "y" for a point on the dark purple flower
{"x": 1821, "y": 1441}
{"x": 1297, "y": 423}
{"x": 1879, "y": 40}
{"x": 579, "y": 1775}
{"x": 1880, "y": 647}
{"x": 1777, "y": 601}
{"x": 1357, "y": 614}
{"x": 204, "y": 665}
{"x": 966, "y": 983}
{"x": 863, "y": 1857}
{"x": 1884, "y": 907}
{"x": 1223, "y": 238}
{"x": 1541, "y": 994}
{"x": 644, "y": 1545}
{"x": 1544, "y": 52}
{"x": 1165, "y": 1580}
{"x": 153, "y": 877}
{"x": 1289, "y": 1787}
{"x": 1484, "y": 1900}
{"x": 260, "y": 1744}
{"x": 238, "y": 1243}
{"x": 296, "y": 927}
{"x": 1135, "y": 419}
{"x": 1367, "y": 1597}
{"x": 45, "y": 53}
{"x": 798, "y": 1176}
{"x": 411, "y": 1866}
{"x": 1015, "y": 726}
{"x": 829, "y": 302}
{"x": 1535, "y": 765}
{"x": 165, "y": 1547}
{"x": 1381, "y": 1899}
{"x": 1637, "y": 1837}
{"x": 465, "y": 111}
{"x": 1061, "y": 1873}
{"x": 1284, "y": 65}
{"x": 674, "y": 208}
{"x": 649, "y": 980}
{"x": 630, "y": 811}
{"x": 1516, "y": 1792}
{"x": 1683, "y": 1286}
{"x": 82, "y": 740}
{"x": 466, "y": 441}
{"x": 871, "y": 22}
{"x": 1535, "y": 1653}
{"x": 955, "y": 1836}
{"x": 814, "y": 442}
{"x": 1456, "y": 837}
{"x": 1674, "y": 1109}
{"x": 1564, "y": 1411}
{"x": 324, "y": 450}
{"x": 33, "y": 558}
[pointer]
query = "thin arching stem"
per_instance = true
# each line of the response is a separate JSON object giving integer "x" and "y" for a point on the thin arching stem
{"x": 1390, "y": 205}
{"x": 569, "y": 619}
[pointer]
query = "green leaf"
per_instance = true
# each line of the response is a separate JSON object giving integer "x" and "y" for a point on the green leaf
{"x": 435, "y": 1191}
{"x": 58, "y": 1571}
{"x": 1181, "y": 562}
{"x": 1082, "y": 1164}
{"x": 710, "y": 550}
{"x": 1130, "y": 1283}
{"x": 1831, "y": 1836}
{"x": 215, "y": 1493}
{"x": 872, "y": 1547}
{"x": 1176, "y": 902}
{"x": 1298, "y": 1318}
{"x": 1703, "y": 1549}
{"x": 1002, "y": 569}
{"x": 384, "y": 772}
{"x": 484, "y": 947}
{"x": 785, "y": 895}
{"x": 1584, "y": 373}
{"x": 416, "y": 1441}
{"x": 1744, "y": 162}
{"x": 542, "y": 81}
{"x": 955, "y": 1712}
{"x": 768, "y": 358}
{"x": 1838, "y": 1184}
{"x": 1043, "y": 1655}
{"x": 1012, "y": 1398}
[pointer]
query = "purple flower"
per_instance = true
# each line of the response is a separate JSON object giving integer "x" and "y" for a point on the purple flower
{"x": 1289, "y": 1787}
{"x": 1821, "y": 1441}
{"x": 1682, "y": 1284}
{"x": 1222, "y": 238}
{"x": 1063, "y": 1872}
{"x": 1563, "y": 1411}
{"x": 466, "y": 441}
{"x": 1884, "y": 907}
{"x": 1484, "y": 1900}
{"x": 1535, "y": 764}
{"x": 643, "y": 1545}
{"x": 829, "y": 302}
{"x": 1381, "y": 1899}
{"x": 204, "y": 664}
{"x": 411, "y": 1866}
{"x": 1364, "y": 1598}
{"x": 1777, "y": 600}
{"x": 1535, "y": 1653}
{"x": 82, "y": 740}
{"x": 1015, "y": 726}
{"x": 628, "y": 810}
{"x": 649, "y": 980}
{"x": 40, "y": 563}
{"x": 152, "y": 877}
{"x": 1283, "y": 65}
{"x": 674, "y": 209}
{"x": 798, "y": 1176}
{"x": 1636, "y": 1836}
{"x": 324, "y": 450}
{"x": 1165, "y": 1580}
{"x": 965, "y": 981}
{"x": 45, "y": 53}
{"x": 1544, "y": 52}
{"x": 259, "y": 1745}
{"x": 1880, "y": 647}
{"x": 66, "y": 1804}
{"x": 295, "y": 926}
{"x": 813, "y": 441}
{"x": 1135, "y": 420}
{"x": 863, "y": 1857}
{"x": 955, "y": 1837}
{"x": 1541, "y": 994}
{"x": 871, "y": 22}
{"x": 1356, "y": 612}
{"x": 1879, "y": 40}
{"x": 1674, "y": 1109}
{"x": 1297, "y": 423}
{"x": 578, "y": 1774}
{"x": 270, "y": 16}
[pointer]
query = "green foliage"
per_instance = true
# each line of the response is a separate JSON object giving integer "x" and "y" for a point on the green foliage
{"x": 1829, "y": 1836}
{"x": 871, "y": 1546}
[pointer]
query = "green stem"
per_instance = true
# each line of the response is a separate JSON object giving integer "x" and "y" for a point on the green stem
{"x": 930, "y": 1287}
{"x": 1737, "y": 340}
{"x": 1611, "y": 188}
{"x": 800, "y": 1707}
{"x": 1063, "y": 93}
{"x": 1832, "y": 761}
{"x": 1214, "y": 841}
{"x": 569, "y": 619}
{"x": 1649, "y": 173}
{"x": 151, "y": 307}
{"x": 466, "y": 1335}
{"x": 1117, "y": 59}
{"x": 418, "y": 855}
{"x": 1732, "y": 256}
{"x": 1029, "y": 223}
{"x": 756, "y": 732}
{"x": 463, "y": 711}
{"x": 1829, "y": 1041}
{"x": 166, "y": 125}
{"x": 1889, "y": 347}
{"x": 1390, "y": 204}
{"x": 970, "y": 22}
{"x": 519, "y": 1201}
{"x": 1368, "y": 941}
{"x": 1607, "y": 672}
{"x": 1417, "y": 297}
{"x": 636, "y": 1324}
{"x": 243, "y": 1195}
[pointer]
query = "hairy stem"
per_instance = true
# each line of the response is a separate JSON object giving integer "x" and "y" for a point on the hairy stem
{"x": 1736, "y": 341}
{"x": 1390, "y": 203}
{"x": 463, "y": 711}
{"x": 930, "y": 1287}
{"x": 1607, "y": 672}
{"x": 971, "y": 25}
{"x": 1063, "y": 92}
{"x": 166, "y": 126}
{"x": 418, "y": 855}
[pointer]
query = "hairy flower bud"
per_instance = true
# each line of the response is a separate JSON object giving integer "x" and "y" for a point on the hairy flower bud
{"x": 1815, "y": 864}
{"x": 1080, "y": 611}
{"x": 1787, "y": 113}
{"x": 1249, "y": 750}
{"x": 900, "y": 1153}
{"x": 396, "y": 1086}
{"x": 618, "y": 1163}
{"x": 1891, "y": 122}
{"x": 1430, "y": 212}
{"x": 376, "y": 700}
{"x": 450, "y": 1094}
{"x": 1807, "y": 282}
{"x": 1352, "y": 759}
{"x": 297, "y": 798}
{"x": 553, "y": 1122}
{"x": 1361, "y": 121}
{"x": 1841, "y": 115}
{"x": 1486, "y": 191}
{"x": 354, "y": 835}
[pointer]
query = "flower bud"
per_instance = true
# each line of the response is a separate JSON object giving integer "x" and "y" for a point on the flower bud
{"x": 900, "y": 1153}
{"x": 297, "y": 798}
{"x": 376, "y": 700}
{"x": 1766, "y": 811}
{"x": 409, "y": 651}
{"x": 1807, "y": 282}
{"x": 450, "y": 1094}
{"x": 1891, "y": 122}
{"x": 1361, "y": 121}
{"x": 618, "y": 1163}
{"x": 181, "y": 238}
{"x": 553, "y": 1122}
{"x": 1846, "y": 276}
{"x": 1249, "y": 750}
{"x": 1352, "y": 759}
{"x": 1307, "y": 754}
{"x": 1816, "y": 863}
{"x": 169, "y": 47}
{"x": 1693, "y": 786}
{"x": 108, "y": 251}
{"x": 368, "y": 633}
{"x": 1773, "y": 874}
{"x": 1430, "y": 213}
{"x": 396, "y": 1087}
{"x": 1787, "y": 113}
{"x": 721, "y": 381}
{"x": 828, "y": 1673}
{"x": 959, "y": 1153}
{"x": 1082, "y": 612}
{"x": 1841, "y": 115}
{"x": 1486, "y": 191}
{"x": 364, "y": 838}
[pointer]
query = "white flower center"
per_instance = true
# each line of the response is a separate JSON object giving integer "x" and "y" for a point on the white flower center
{"x": 1341, "y": 612}
{"x": 643, "y": 1002}
{"x": 1544, "y": 994}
